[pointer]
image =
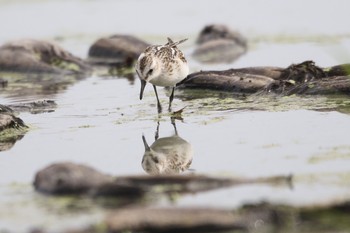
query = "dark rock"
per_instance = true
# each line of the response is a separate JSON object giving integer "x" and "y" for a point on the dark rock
{"x": 3, "y": 83}
{"x": 228, "y": 80}
{"x": 116, "y": 50}
{"x": 9, "y": 121}
{"x": 302, "y": 72}
{"x": 36, "y": 56}
{"x": 325, "y": 86}
{"x": 302, "y": 78}
{"x": 339, "y": 70}
{"x": 12, "y": 128}
{"x": 69, "y": 178}
{"x": 5, "y": 109}
{"x": 218, "y": 31}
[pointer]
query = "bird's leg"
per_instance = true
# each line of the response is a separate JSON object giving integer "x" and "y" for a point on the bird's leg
{"x": 171, "y": 98}
{"x": 158, "y": 103}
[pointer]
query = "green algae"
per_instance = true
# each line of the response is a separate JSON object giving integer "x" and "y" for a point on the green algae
{"x": 12, "y": 133}
{"x": 336, "y": 153}
{"x": 219, "y": 101}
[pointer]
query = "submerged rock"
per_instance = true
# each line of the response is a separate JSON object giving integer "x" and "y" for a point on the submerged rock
{"x": 37, "y": 56}
{"x": 219, "y": 44}
{"x": 116, "y": 50}
{"x": 35, "y": 107}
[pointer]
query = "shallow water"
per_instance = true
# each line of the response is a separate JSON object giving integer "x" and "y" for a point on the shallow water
{"x": 100, "y": 121}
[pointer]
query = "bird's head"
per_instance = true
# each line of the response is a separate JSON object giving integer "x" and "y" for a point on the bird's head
{"x": 147, "y": 68}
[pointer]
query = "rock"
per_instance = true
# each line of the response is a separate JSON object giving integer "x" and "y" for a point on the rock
{"x": 218, "y": 31}
{"x": 219, "y": 44}
{"x": 9, "y": 121}
{"x": 37, "y": 56}
{"x": 3, "y": 83}
{"x": 302, "y": 78}
{"x": 70, "y": 178}
{"x": 5, "y": 109}
{"x": 339, "y": 70}
{"x": 227, "y": 80}
{"x": 12, "y": 128}
{"x": 116, "y": 50}
{"x": 173, "y": 220}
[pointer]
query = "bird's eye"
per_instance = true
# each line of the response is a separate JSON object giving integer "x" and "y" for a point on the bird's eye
{"x": 150, "y": 72}
{"x": 156, "y": 160}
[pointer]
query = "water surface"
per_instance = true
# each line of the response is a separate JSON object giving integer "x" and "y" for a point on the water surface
{"x": 100, "y": 121}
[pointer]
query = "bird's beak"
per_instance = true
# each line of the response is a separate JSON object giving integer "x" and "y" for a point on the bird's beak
{"x": 143, "y": 84}
{"x": 147, "y": 148}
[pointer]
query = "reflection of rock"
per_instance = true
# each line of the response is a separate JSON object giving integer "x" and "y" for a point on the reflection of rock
{"x": 42, "y": 85}
{"x": 219, "y": 44}
{"x": 116, "y": 50}
{"x": 168, "y": 155}
{"x": 218, "y": 51}
{"x": 12, "y": 128}
{"x": 38, "y": 56}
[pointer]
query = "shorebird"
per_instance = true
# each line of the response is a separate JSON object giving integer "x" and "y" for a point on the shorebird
{"x": 162, "y": 65}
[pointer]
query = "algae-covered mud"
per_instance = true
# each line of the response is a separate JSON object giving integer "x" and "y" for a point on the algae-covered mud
{"x": 96, "y": 120}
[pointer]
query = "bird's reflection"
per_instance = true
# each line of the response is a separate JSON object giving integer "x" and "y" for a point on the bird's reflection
{"x": 167, "y": 155}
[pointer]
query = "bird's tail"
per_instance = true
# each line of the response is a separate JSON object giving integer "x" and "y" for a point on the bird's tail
{"x": 171, "y": 43}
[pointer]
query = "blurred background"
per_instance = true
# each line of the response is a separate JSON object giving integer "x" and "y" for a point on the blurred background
{"x": 79, "y": 23}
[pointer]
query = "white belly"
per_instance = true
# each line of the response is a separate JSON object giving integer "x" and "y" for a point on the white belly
{"x": 169, "y": 78}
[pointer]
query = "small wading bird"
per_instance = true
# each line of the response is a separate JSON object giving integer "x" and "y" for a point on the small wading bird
{"x": 162, "y": 65}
